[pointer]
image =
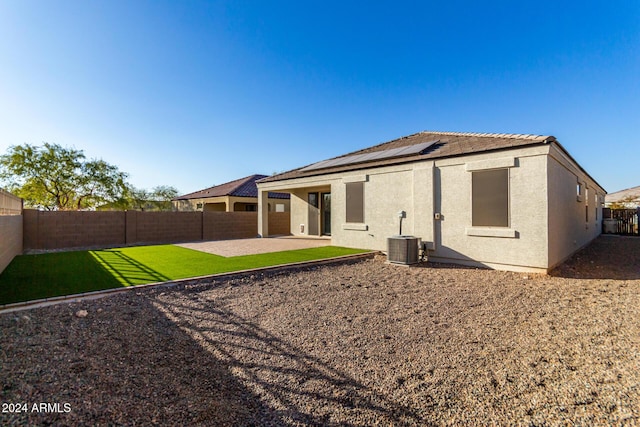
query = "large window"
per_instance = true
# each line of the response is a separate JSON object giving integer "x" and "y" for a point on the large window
{"x": 355, "y": 202}
{"x": 490, "y": 198}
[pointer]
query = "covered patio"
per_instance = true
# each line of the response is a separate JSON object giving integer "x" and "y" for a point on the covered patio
{"x": 310, "y": 206}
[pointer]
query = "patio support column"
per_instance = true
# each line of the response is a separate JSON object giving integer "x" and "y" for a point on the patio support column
{"x": 263, "y": 213}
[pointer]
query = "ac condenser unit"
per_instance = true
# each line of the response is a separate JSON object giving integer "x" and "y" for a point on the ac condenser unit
{"x": 402, "y": 249}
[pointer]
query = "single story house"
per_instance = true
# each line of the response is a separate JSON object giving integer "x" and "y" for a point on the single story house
{"x": 234, "y": 196}
{"x": 628, "y": 198}
{"x": 505, "y": 201}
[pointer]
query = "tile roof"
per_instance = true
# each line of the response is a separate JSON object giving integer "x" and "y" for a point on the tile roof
{"x": 627, "y": 195}
{"x": 449, "y": 144}
{"x": 243, "y": 187}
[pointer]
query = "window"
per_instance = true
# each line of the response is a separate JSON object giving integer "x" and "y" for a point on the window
{"x": 313, "y": 200}
{"x": 251, "y": 208}
{"x": 355, "y": 202}
{"x": 581, "y": 189}
{"x": 490, "y": 198}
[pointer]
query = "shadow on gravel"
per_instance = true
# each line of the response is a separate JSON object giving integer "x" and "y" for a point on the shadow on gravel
{"x": 128, "y": 365}
{"x": 607, "y": 257}
{"x": 299, "y": 388}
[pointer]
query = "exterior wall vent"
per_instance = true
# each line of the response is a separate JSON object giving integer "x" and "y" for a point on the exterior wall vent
{"x": 403, "y": 249}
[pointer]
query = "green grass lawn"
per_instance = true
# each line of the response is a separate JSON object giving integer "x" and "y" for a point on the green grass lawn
{"x": 30, "y": 277}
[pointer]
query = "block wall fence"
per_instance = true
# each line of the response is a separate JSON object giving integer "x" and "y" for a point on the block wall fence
{"x": 10, "y": 228}
{"x": 77, "y": 229}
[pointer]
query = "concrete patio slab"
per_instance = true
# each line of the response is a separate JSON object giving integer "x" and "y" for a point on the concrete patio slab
{"x": 229, "y": 248}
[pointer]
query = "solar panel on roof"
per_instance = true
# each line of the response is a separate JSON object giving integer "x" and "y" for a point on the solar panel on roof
{"x": 374, "y": 155}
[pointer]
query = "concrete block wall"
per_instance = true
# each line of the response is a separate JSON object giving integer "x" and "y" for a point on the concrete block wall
{"x": 229, "y": 225}
{"x": 279, "y": 223}
{"x": 30, "y": 229}
{"x": 72, "y": 229}
{"x": 10, "y": 204}
{"x": 10, "y": 228}
{"x": 11, "y": 239}
{"x": 163, "y": 227}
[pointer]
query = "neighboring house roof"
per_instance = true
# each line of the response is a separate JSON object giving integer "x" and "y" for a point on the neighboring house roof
{"x": 443, "y": 144}
{"x": 243, "y": 187}
{"x": 628, "y": 195}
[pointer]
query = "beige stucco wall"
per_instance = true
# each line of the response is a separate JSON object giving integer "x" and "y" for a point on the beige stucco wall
{"x": 569, "y": 229}
{"x": 386, "y": 192}
{"x": 523, "y": 245}
{"x": 542, "y": 226}
{"x": 274, "y": 202}
{"x": 305, "y": 219}
{"x": 213, "y": 207}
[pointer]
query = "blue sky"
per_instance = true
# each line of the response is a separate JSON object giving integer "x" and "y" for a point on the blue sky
{"x": 193, "y": 94}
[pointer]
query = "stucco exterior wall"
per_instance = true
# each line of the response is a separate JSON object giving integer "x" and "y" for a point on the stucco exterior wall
{"x": 386, "y": 192}
{"x": 522, "y": 245}
{"x": 298, "y": 212}
{"x": 542, "y": 227}
{"x": 569, "y": 229}
{"x": 305, "y": 219}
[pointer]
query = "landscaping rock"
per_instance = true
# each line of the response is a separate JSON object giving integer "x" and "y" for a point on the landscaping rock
{"x": 360, "y": 344}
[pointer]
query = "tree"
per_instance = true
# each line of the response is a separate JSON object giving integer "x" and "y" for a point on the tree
{"x": 629, "y": 202}
{"x": 159, "y": 198}
{"x": 162, "y": 196}
{"x": 53, "y": 177}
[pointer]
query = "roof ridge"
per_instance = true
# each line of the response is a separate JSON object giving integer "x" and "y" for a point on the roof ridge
{"x": 489, "y": 135}
{"x": 237, "y": 183}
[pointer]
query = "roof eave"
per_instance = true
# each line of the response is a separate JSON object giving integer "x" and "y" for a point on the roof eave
{"x": 564, "y": 150}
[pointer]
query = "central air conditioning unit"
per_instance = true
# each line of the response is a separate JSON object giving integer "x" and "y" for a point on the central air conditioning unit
{"x": 403, "y": 249}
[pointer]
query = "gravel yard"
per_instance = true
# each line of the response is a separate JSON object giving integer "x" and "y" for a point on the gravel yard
{"x": 356, "y": 344}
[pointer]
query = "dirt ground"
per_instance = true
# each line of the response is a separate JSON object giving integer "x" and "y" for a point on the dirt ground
{"x": 355, "y": 344}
